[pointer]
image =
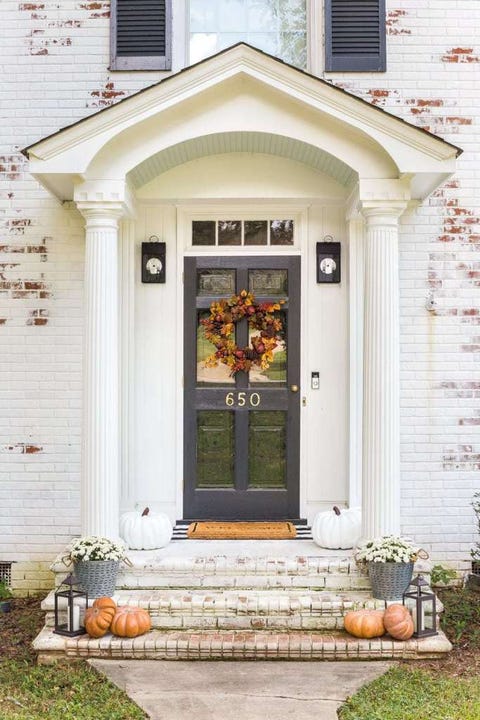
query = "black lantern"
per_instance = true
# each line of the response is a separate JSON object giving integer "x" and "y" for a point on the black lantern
{"x": 154, "y": 261}
{"x": 72, "y": 627}
{"x": 328, "y": 261}
{"x": 423, "y": 605}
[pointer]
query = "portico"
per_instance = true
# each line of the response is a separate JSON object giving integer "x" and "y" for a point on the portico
{"x": 354, "y": 167}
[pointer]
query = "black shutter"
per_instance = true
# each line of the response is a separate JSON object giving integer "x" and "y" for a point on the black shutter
{"x": 355, "y": 35}
{"x": 141, "y": 34}
{"x": 141, "y": 27}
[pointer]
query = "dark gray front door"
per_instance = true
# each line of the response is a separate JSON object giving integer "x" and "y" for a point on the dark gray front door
{"x": 241, "y": 433}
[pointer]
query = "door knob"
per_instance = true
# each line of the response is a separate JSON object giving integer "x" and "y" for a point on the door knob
{"x": 294, "y": 388}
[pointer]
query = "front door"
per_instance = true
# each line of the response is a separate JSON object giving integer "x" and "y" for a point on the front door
{"x": 242, "y": 432}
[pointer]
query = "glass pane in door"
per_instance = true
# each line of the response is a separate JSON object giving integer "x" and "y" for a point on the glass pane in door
{"x": 215, "y": 449}
{"x": 267, "y": 449}
{"x": 218, "y": 374}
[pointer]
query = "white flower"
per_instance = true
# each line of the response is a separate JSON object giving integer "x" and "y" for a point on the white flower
{"x": 96, "y": 548}
{"x": 387, "y": 549}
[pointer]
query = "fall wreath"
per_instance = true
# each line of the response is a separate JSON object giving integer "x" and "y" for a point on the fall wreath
{"x": 219, "y": 329}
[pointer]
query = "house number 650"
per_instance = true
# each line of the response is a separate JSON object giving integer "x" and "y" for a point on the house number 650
{"x": 241, "y": 399}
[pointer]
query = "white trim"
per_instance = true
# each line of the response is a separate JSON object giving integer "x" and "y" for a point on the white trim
{"x": 127, "y": 363}
{"x": 356, "y": 231}
{"x": 185, "y": 215}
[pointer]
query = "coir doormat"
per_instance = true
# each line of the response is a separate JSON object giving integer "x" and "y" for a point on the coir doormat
{"x": 241, "y": 531}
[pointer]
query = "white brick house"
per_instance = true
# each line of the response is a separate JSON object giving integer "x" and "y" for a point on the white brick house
{"x": 245, "y": 139}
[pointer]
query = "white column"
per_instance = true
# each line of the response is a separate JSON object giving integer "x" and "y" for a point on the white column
{"x": 100, "y": 485}
{"x": 381, "y": 391}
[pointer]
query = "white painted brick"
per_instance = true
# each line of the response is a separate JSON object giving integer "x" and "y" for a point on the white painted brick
{"x": 40, "y": 365}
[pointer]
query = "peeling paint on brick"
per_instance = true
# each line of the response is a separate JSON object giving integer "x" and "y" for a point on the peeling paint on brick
{"x": 96, "y": 9}
{"x": 463, "y": 458}
{"x": 42, "y": 47}
{"x": 394, "y": 23}
{"x": 106, "y": 96}
{"x": 460, "y": 55}
{"x": 22, "y": 448}
{"x": 31, "y": 6}
{"x": 38, "y": 317}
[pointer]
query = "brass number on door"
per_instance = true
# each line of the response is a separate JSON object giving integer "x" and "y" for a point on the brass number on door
{"x": 240, "y": 399}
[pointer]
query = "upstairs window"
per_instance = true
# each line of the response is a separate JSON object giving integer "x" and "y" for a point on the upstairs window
{"x": 355, "y": 36}
{"x": 141, "y": 33}
{"x": 279, "y": 27}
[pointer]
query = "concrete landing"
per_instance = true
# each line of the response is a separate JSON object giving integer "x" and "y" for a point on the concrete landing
{"x": 239, "y": 690}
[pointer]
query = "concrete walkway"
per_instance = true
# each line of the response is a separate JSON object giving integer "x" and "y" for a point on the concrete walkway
{"x": 240, "y": 690}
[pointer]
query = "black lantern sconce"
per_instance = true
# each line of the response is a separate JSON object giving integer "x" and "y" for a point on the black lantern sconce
{"x": 154, "y": 255}
{"x": 72, "y": 627}
{"x": 328, "y": 260}
{"x": 423, "y": 605}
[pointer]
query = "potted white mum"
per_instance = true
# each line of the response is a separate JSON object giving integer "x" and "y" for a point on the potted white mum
{"x": 96, "y": 561}
{"x": 390, "y": 561}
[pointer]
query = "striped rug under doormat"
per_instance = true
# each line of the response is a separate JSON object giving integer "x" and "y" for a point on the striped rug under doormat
{"x": 241, "y": 531}
{"x": 304, "y": 531}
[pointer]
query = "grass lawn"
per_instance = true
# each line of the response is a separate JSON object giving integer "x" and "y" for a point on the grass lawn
{"x": 55, "y": 692}
{"x": 447, "y": 689}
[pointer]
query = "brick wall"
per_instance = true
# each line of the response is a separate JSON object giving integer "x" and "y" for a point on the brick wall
{"x": 432, "y": 81}
{"x": 54, "y": 57}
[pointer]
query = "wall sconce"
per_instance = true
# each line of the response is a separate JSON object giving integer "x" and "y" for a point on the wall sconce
{"x": 328, "y": 261}
{"x": 154, "y": 255}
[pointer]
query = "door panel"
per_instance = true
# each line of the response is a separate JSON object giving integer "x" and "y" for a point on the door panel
{"x": 241, "y": 433}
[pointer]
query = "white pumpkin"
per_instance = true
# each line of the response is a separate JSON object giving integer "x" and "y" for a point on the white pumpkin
{"x": 145, "y": 531}
{"x": 337, "y": 529}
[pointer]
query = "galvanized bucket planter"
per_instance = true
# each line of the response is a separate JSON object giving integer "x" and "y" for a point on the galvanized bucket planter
{"x": 97, "y": 577}
{"x": 389, "y": 579}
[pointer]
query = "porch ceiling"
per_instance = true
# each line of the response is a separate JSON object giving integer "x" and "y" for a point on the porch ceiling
{"x": 254, "y": 142}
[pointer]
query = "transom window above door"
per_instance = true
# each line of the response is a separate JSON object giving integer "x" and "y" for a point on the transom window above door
{"x": 242, "y": 232}
{"x": 277, "y": 26}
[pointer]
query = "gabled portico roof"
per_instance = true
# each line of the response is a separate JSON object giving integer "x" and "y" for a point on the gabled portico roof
{"x": 241, "y": 90}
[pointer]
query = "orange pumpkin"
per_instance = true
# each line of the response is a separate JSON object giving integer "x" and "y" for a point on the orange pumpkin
{"x": 98, "y": 618}
{"x": 365, "y": 623}
{"x": 398, "y": 622}
{"x": 130, "y": 622}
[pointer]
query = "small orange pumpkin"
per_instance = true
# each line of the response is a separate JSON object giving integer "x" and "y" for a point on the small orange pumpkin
{"x": 398, "y": 622}
{"x": 99, "y": 617}
{"x": 130, "y": 622}
{"x": 365, "y": 623}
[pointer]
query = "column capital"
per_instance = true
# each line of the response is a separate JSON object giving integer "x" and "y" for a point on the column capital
{"x": 102, "y": 213}
{"x": 382, "y": 212}
{"x": 377, "y": 198}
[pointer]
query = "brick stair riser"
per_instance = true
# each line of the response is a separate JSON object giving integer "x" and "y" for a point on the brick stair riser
{"x": 248, "y": 622}
{"x": 199, "y": 645}
{"x": 215, "y": 582}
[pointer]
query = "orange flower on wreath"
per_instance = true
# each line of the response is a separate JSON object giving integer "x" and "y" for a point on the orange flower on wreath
{"x": 219, "y": 329}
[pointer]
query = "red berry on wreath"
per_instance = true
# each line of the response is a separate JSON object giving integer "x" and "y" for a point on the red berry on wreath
{"x": 239, "y": 353}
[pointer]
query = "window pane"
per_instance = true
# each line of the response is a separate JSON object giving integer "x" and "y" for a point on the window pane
{"x": 215, "y": 448}
{"x": 256, "y": 232}
{"x": 277, "y": 370}
{"x": 203, "y": 232}
{"x": 267, "y": 449}
{"x": 268, "y": 282}
{"x": 278, "y": 27}
{"x": 281, "y": 232}
{"x": 216, "y": 375}
{"x": 229, "y": 232}
{"x": 215, "y": 282}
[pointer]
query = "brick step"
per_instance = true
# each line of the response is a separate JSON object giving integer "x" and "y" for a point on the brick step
{"x": 177, "y": 567}
{"x": 251, "y": 610}
{"x": 237, "y": 645}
